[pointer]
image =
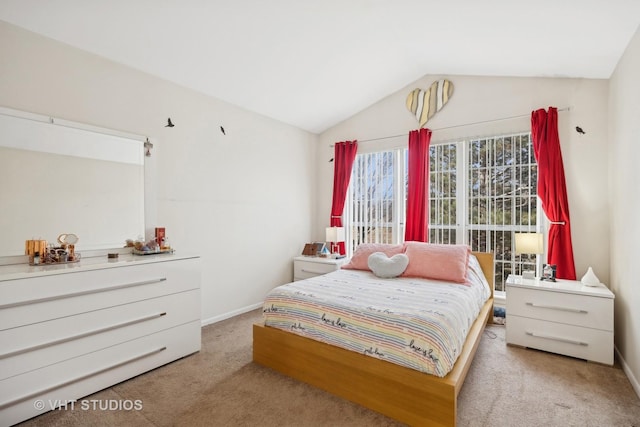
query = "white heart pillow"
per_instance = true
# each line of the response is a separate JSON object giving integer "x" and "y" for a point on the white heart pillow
{"x": 385, "y": 267}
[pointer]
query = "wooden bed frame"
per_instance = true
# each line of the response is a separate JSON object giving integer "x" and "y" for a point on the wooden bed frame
{"x": 400, "y": 393}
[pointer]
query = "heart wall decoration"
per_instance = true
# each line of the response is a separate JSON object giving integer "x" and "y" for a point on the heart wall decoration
{"x": 425, "y": 103}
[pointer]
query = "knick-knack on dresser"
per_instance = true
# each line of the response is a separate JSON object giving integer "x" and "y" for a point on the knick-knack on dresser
{"x": 590, "y": 278}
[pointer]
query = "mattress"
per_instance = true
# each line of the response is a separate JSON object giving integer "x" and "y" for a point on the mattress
{"x": 418, "y": 323}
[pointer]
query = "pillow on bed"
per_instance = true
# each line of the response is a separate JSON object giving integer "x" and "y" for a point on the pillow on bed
{"x": 360, "y": 258}
{"x": 438, "y": 262}
{"x": 387, "y": 267}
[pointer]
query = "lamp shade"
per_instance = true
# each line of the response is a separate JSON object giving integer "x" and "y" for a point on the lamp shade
{"x": 335, "y": 234}
{"x": 529, "y": 243}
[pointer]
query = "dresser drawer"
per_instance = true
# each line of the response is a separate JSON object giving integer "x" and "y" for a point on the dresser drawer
{"x": 584, "y": 343}
{"x": 38, "y": 299}
{"x": 85, "y": 374}
{"x": 568, "y": 308}
{"x": 30, "y": 347}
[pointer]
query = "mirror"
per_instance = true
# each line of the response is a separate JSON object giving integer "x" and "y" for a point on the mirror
{"x": 58, "y": 179}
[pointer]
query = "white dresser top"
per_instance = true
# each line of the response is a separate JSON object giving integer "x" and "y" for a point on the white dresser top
{"x": 560, "y": 285}
{"x": 24, "y": 271}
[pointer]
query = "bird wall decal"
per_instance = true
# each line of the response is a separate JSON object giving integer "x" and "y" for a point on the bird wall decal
{"x": 579, "y": 130}
{"x": 169, "y": 123}
{"x": 222, "y": 130}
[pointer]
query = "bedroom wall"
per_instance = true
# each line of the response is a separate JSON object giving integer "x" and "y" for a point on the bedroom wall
{"x": 478, "y": 99}
{"x": 242, "y": 201}
{"x": 624, "y": 152}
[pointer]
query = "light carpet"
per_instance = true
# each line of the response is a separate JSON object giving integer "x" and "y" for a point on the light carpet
{"x": 221, "y": 386}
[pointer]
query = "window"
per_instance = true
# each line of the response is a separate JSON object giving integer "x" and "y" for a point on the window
{"x": 481, "y": 191}
{"x": 373, "y": 193}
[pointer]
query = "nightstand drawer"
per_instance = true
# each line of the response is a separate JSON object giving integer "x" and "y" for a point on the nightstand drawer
{"x": 571, "y": 309}
{"x": 306, "y": 269}
{"x": 583, "y": 343}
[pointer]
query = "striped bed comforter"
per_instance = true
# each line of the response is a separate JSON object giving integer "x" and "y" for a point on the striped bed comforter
{"x": 417, "y": 323}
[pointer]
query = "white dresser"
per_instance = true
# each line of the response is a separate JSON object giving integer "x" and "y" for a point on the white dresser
{"x": 67, "y": 331}
{"x": 563, "y": 317}
{"x": 309, "y": 266}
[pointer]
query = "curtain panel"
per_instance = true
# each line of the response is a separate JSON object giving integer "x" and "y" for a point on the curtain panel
{"x": 344, "y": 156}
{"x": 416, "y": 228}
{"x": 552, "y": 190}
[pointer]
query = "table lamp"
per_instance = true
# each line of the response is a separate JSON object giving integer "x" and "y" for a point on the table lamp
{"x": 529, "y": 243}
{"x": 335, "y": 235}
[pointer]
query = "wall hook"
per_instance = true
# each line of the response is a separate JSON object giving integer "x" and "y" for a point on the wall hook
{"x": 147, "y": 147}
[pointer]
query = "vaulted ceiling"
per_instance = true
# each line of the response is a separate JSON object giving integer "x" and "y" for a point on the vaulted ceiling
{"x": 313, "y": 64}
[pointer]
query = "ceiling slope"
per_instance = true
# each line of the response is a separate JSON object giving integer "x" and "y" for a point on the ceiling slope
{"x": 314, "y": 64}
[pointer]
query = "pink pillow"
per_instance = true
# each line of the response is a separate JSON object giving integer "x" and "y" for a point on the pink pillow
{"x": 360, "y": 258}
{"x": 438, "y": 262}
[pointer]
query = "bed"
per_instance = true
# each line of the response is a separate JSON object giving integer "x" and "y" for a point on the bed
{"x": 410, "y": 394}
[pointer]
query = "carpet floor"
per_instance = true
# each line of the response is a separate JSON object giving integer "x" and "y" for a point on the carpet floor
{"x": 221, "y": 386}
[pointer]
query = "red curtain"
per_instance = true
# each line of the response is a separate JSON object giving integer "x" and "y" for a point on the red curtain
{"x": 345, "y": 154}
{"x": 552, "y": 190}
{"x": 418, "y": 186}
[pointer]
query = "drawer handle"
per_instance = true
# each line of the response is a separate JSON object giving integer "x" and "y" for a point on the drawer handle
{"x": 551, "y": 337}
{"x": 82, "y": 335}
{"x": 557, "y": 307}
{"x": 80, "y": 293}
{"x": 313, "y": 272}
{"x": 80, "y": 378}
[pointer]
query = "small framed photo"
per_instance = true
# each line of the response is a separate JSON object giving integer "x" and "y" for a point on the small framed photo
{"x": 319, "y": 247}
{"x": 549, "y": 272}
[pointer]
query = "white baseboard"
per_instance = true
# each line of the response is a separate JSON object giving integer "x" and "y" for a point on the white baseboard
{"x": 625, "y": 368}
{"x": 210, "y": 320}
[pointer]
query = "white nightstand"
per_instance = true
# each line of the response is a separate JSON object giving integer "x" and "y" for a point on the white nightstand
{"x": 563, "y": 317}
{"x": 310, "y": 266}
